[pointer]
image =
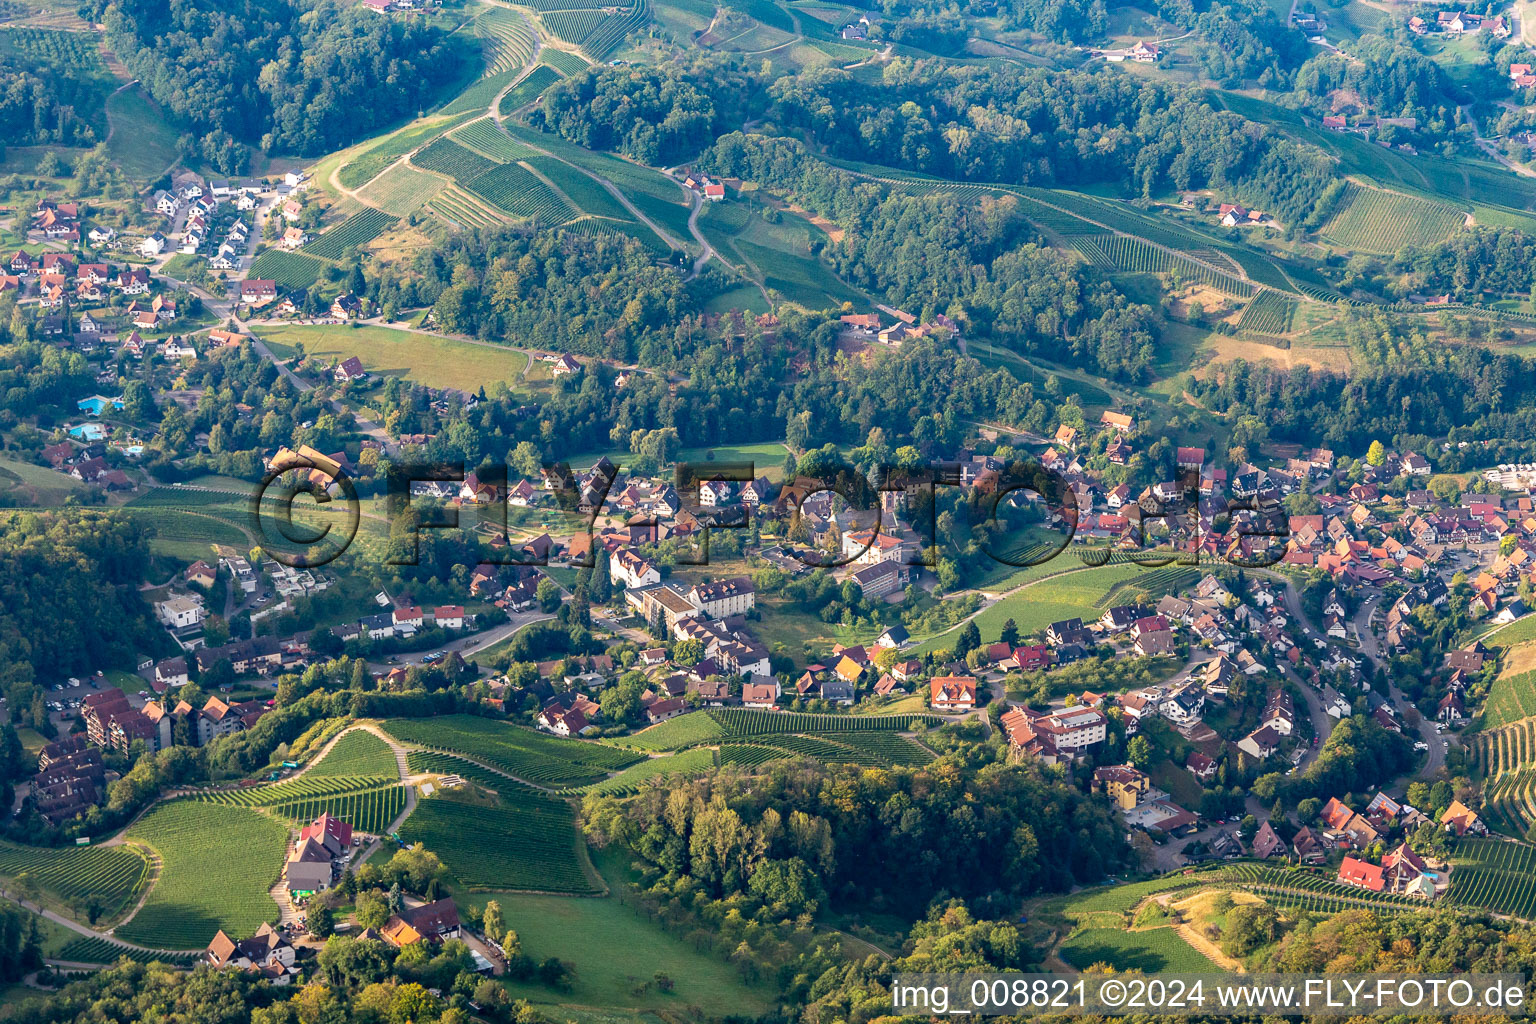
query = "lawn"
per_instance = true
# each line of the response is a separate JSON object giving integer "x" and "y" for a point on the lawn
{"x": 1072, "y": 594}
{"x": 611, "y": 947}
{"x": 423, "y": 358}
{"x": 1152, "y": 950}
{"x": 217, "y": 864}
{"x": 767, "y": 457}
{"x": 41, "y": 486}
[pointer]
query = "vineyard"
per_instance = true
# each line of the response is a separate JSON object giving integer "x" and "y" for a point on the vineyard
{"x": 369, "y": 811}
{"x": 86, "y": 949}
{"x": 402, "y": 189}
{"x": 1268, "y": 313}
{"x": 564, "y": 61}
{"x": 676, "y": 733}
{"x": 519, "y": 752}
{"x": 1512, "y": 698}
{"x": 1303, "y": 890}
{"x": 358, "y": 752}
{"x": 509, "y": 40}
{"x": 353, "y": 233}
{"x": 586, "y": 192}
{"x": 1509, "y": 802}
{"x": 628, "y": 781}
{"x": 461, "y": 208}
{"x": 305, "y": 787}
{"x": 529, "y": 89}
{"x": 1495, "y": 875}
{"x": 112, "y": 876}
{"x": 518, "y": 191}
{"x": 1505, "y": 748}
{"x": 446, "y": 157}
{"x": 1136, "y": 255}
{"x": 753, "y": 722}
{"x": 1374, "y": 220}
{"x": 484, "y": 137}
{"x": 217, "y": 864}
{"x": 596, "y": 31}
{"x": 291, "y": 270}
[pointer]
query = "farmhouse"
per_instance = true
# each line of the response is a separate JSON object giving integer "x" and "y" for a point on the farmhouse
{"x": 952, "y": 693}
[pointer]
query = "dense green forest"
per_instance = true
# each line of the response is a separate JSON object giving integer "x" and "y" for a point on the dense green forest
{"x": 300, "y": 77}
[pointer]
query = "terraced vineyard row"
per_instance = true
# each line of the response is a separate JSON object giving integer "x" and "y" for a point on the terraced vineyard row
{"x": 461, "y": 209}
{"x": 1123, "y": 252}
{"x": 749, "y": 755}
{"x": 1509, "y": 802}
{"x": 1506, "y": 748}
{"x": 1495, "y": 875}
{"x": 1268, "y": 313}
{"x": 353, "y": 233}
{"x": 111, "y": 875}
{"x": 563, "y": 61}
{"x": 510, "y": 40}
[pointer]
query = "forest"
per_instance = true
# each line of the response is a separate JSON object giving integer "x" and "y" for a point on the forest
{"x": 292, "y": 77}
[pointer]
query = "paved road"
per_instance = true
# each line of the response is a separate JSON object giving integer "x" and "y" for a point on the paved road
{"x": 464, "y": 645}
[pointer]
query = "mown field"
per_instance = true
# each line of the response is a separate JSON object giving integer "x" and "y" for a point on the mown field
{"x": 426, "y": 359}
{"x": 1150, "y": 950}
{"x": 217, "y": 864}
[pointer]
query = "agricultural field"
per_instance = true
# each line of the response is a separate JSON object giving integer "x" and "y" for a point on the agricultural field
{"x": 291, "y": 270}
{"x": 1509, "y": 802}
{"x": 446, "y": 157}
{"x": 308, "y": 786}
{"x": 754, "y": 722}
{"x": 84, "y": 949}
{"x": 487, "y": 139}
{"x": 358, "y": 752}
{"x": 109, "y": 876}
{"x": 459, "y": 207}
{"x": 1268, "y": 313}
{"x": 1136, "y": 255}
{"x": 424, "y": 358}
{"x": 530, "y": 88}
{"x": 509, "y": 40}
{"x": 1374, "y": 220}
{"x": 691, "y": 762}
{"x": 198, "y": 842}
{"x": 351, "y": 234}
{"x": 525, "y": 841}
{"x": 608, "y": 946}
{"x": 1512, "y": 697}
{"x": 402, "y": 190}
{"x": 596, "y": 32}
{"x": 367, "y": 165}
{"x": 370, "y": 810}
{"x": 1494, "y": 875}
{"x": 515, "y": 189}
{"x": 582, "y": 190}
{"x": 564, "y": 61}
{"x": 522, "y": 753}
{"x": 675, "y": 733}
{"x": 1150, "y": 950}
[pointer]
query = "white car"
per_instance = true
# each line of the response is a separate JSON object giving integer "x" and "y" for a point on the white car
{"x": 1421, "y": 745}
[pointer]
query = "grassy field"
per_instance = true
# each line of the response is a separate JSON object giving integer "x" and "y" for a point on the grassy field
{"x": 198, "y": 844}
{"x": 357, "y": 753}
{"x": 36, "y": 484}
{"x": 1151, "y": 950}
{"x": 1072, "y": 594}
{"x": 402, "y": 190}
{"x": 143, "y": 142}
{"x": 423, "y": 358}
{"x": 611, "y": 947}
{"x": 523, "y": 840}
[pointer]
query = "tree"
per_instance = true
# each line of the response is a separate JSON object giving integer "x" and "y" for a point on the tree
{"x": 968, "y": 641}
{"x": 548, "y": 595}
{"x": 1139, "y": 752}
{"x": 320, "y": 920}
{"x": 1376, "y": 454}
{"x": 371, "y": 909}
{"x": 491, "y": 923}
{"x": 1010, "y": 634}
{"x": 688, "y": 652}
